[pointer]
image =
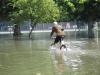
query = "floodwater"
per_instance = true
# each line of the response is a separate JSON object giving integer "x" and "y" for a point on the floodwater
{"x": 35, "y": 57}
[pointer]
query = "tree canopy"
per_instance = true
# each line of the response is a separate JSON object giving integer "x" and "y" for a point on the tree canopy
{"x": 84, "y": 10}
{"x": 50, "y": 10}
{"x": 90, "y": 11}
{"x": 5, "y": 8}
{"x": 36, "y": 10}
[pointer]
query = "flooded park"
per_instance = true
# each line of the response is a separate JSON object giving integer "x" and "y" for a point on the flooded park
{"x": 29, "y": 27}
{"x": 35, "y": 57}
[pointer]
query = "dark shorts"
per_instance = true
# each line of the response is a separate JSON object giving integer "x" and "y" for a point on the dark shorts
{"x": 58, "y": 39}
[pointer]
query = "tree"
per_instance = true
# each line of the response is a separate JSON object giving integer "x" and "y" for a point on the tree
{"x": 5, "y": 8}
{"x": 81, "y": 10}
{"x": 88, "y": 11}
{"x": 37, "y": 11}
{"x": 67, "y": 9}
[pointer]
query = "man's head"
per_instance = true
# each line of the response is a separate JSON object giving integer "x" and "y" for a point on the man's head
{"x": 55, "y": 23}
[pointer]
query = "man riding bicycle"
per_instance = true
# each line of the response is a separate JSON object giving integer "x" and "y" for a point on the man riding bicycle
{"x": 59, "y": 34}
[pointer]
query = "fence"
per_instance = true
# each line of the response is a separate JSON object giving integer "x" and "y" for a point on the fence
{"x": 25, "y": 26}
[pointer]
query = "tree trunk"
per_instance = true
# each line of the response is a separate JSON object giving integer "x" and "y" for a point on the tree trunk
{"x": 17, "y": 31}
{"x": 32, "y": 28}
{"x": 90, "y": 30}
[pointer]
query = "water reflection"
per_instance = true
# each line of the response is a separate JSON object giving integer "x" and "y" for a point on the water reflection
{"x": 82, "y": 56}
{"x": 77, "y": 58}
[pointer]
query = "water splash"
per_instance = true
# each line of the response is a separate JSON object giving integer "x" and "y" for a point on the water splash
{"x": 70, "y": 56}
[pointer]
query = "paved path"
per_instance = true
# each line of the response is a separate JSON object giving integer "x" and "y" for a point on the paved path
{"x": 41, "y": 31}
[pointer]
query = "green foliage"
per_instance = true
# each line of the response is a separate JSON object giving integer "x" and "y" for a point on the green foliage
{"x": 66, "y": 9}
{"x": 84, "y": 10}
{"x": 89, "y": 10}
{"x": 5, "y": 8}
{"x": 36, "y": 10}
{"x": 50, "y": 10}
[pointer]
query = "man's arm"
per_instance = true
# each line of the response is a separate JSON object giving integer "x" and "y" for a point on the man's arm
{"x": 52, "y": 32}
